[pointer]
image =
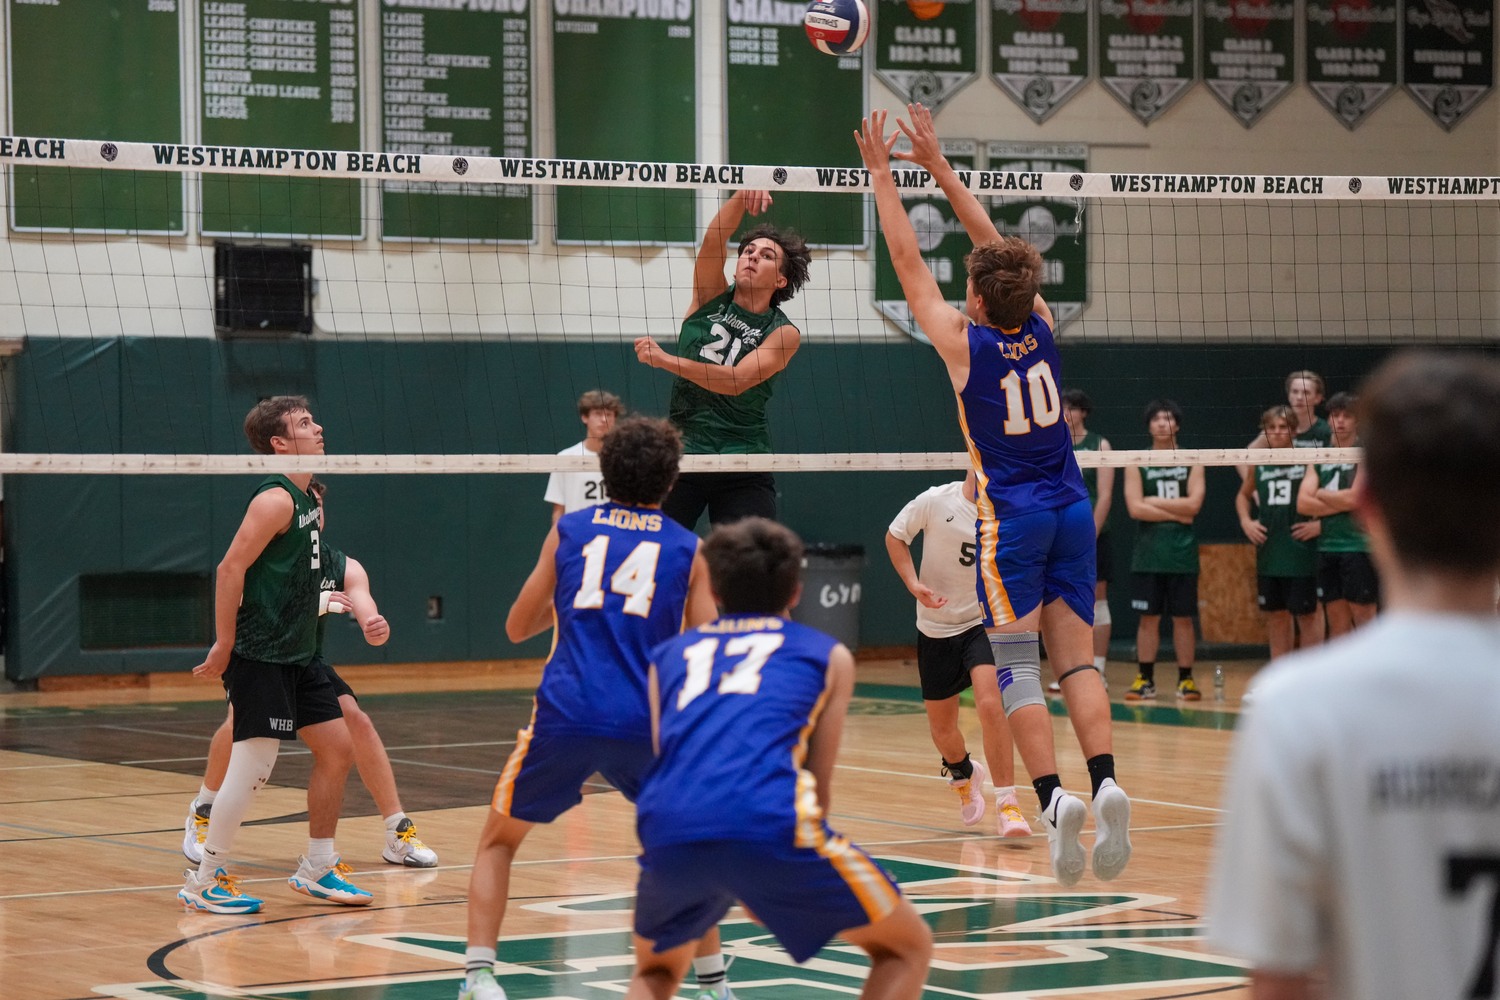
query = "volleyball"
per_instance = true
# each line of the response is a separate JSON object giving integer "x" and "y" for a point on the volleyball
{"x": 837, "y": 27}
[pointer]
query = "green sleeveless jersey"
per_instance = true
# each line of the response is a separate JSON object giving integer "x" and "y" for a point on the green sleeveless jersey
{"x": 1318, "y": 435}
{"x": 721, "y": 333}
{"x": 1340, "y": 532}
{"x": 278, "y": 616}
{"x": 334, "y": 563}
{"x": 1090, "y": 442}
{"x": 1282, "y": 555}
{"x": 1164, "y": 546}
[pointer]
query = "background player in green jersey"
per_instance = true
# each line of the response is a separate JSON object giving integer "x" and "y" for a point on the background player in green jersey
{"x": 1101, "y": 485}
{"x": 1164, "y": 500}
{"x": 266, "y": 619}
{"x": 345, "y": 588}
{"x": 1286, "y": 551}
{"x": 1304, "y": 391}
{"x": 734, "y": 341}
{"x": 1347, "y": 584}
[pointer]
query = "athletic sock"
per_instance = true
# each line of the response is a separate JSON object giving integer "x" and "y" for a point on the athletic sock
{"x": 1001, "y": 791}
{"x": 962, "y": 771}
{"x": 477, "y": 960}
{"x": 1045, "y": 786}
{"x": 214, "y": 858}
{"x": 1148, "y": 671}
{"x": 710, "y": 970}
{"x": 206, "y": 796}
{"x": 1101, "y": 767}
{"x": 1184, "y": 674}
{"x": 393, "y": 820}
{"x": 1099, "y": 662}
{"x": 321, "y": 852}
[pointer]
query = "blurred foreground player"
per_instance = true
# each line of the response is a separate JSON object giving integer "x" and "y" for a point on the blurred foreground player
{"x": 613, "y": 581}
{"x": 1362, "y": 835}
{"x": 747, "y": 713}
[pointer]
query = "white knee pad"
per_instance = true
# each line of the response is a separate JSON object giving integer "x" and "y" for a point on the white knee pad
{"x": 1101, "y": 613}
{"x": 1018, "y": 658}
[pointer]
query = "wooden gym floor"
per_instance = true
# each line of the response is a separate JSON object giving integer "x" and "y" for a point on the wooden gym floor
{"x": 94, "y": 786}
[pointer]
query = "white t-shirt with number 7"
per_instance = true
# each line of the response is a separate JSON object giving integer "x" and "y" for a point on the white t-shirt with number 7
{"x": 576, "y": 490}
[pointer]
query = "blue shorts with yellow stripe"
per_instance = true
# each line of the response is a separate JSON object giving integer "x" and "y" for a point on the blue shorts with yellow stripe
{"x": 1026, "y": 560}
{"x": 805, "y": 896}
{"x": 545, "y": 773}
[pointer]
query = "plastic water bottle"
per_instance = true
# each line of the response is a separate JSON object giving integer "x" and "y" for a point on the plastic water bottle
{"x": 1219, "y": 683}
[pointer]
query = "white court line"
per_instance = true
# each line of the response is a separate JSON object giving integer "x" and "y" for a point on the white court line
{"x": 938, "y": 777}
{"x": 40, "y": 767}
{"x": 965, "y": 838}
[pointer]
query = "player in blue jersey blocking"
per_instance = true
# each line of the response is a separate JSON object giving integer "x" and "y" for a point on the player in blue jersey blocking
{"x": 747, "y": 712}
{"x": 614, "y": 581}
{"x": 1036, "y": 527}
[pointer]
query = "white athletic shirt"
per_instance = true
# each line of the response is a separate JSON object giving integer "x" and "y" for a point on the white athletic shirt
{"x": 947, "y": 557}
{"x": 576, "y": 490}
{"x": 1362, "y": 824}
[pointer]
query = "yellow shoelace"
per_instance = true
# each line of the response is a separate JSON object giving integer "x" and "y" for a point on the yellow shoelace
{"x": 409, "y": 835}
{"x": 201, "y": 823}
{"x": 343, "y": 869}
{"x": 1012, "y": 813}
{"x": 965, "y": 791}
{"x": 229, "y": 883}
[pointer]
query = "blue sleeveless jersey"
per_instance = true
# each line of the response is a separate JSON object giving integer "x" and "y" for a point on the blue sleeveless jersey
{"x": 1011, "y": 415}
{"x": 622, "y": 588}
{"x": 738, "y": 699}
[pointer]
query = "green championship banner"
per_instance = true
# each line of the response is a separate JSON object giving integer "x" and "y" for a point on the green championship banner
{"x": 1352, "y": 59}
{"x": 624, "y": 89}
{"x": 927, "y": 50}
{"x": 1448, "y": 49}
{"x": 102, "y": 69}
{"x": 280, "y": 73}
{"x": 1041, "y": 50}
{"x": 1248, "y": 53}
{"x": 776, "y": 83}
{"x": 456, "y": 82}
{"x": 940, "y": 237}
{"x": 1053, "y": 225}
{"x": 1146, "y": 53}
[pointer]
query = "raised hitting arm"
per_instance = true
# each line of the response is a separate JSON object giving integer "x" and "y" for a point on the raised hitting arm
{"x": 531, "y": 614}
{"x": 708, "y": 273}
{"x": 268, "y": 515}
{"x": 944, "y": 325}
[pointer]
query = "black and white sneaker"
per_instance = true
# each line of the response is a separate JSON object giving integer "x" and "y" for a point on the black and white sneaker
{"x": 403, "y": 848}
{"x": 1063, "y": 821}
{"x": 195, "y": 830}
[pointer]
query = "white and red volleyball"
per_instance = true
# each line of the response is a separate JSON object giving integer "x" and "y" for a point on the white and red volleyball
{"x": 837, "y": 27}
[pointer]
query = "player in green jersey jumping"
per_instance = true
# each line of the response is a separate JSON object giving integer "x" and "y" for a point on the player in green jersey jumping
{"x": 1347, "y": 584}
{"x": 733, "y": 343}
{"x": 1285, "y": 542}
{"x": 1164, "y": 500}
{"x": 266, "y": 618}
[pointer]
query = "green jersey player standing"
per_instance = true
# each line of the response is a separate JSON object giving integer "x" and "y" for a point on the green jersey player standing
{"x": 1347, "y": 584}
{"x": 733, "y": 343}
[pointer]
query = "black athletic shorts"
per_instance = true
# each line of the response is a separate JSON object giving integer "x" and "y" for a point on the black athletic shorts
{"x": 1171, "y": 594}
{"x": 944, "y": 664}
{"x": 1297, "y": 594}
{"x": 728, "y": 496}
{"x": 340, "y": 686}
{"x": 1347, "y": 576}
{"x": 276, "y": 699}
{"x": 1104, "y": 558}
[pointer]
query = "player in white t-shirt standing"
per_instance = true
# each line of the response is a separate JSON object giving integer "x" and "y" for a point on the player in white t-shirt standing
{"x": 1362, "y": 835}
{"x": 570, "y": 491}
{"x": 953, "y": 651}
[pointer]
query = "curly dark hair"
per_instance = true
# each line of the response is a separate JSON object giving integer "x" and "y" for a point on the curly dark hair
{"x": 1007, "y": 276}
{"x": 754, "y": 566}
{"x": 795, "y": 257}
{"x": 1077, "y": 399}
{"x": 268, "y": 420}
{"x": 1342, "y": 401}
{"x": 639, "y": 461}
{"x": 1162, "y": 406}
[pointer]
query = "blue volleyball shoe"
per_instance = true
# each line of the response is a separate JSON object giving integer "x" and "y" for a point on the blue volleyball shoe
{"x": 328, "y": 882}
{"x": 219, "y": 894}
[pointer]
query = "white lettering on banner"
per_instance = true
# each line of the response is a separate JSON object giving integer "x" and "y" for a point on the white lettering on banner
{"x": 766, "y": 12}
{"x": 653, "y": 10}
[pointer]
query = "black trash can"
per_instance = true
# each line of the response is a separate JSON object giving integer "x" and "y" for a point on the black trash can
{"x": 831, "y": 591}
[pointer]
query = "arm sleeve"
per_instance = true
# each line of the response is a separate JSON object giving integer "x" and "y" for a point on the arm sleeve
{"x": 911, "y": 521}
{"x": 1266, "y": 893}
{"x": 554, "y": 492}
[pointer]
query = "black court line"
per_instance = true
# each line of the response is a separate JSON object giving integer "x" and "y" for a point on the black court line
{"x": 268, "y": 821}
{"x": 1201, "y": 993}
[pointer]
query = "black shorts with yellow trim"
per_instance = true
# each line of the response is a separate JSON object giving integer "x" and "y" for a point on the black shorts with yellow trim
{"x": 545, "y": 774}
{"x": 806, "y": 896}
{"x": 1034, "y": 558}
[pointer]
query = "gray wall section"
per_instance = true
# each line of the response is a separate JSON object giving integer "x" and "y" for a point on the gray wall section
{"x": 472, "y": 539}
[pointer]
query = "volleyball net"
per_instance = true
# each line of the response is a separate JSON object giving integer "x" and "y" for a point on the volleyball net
{"x": 472, "y": 299}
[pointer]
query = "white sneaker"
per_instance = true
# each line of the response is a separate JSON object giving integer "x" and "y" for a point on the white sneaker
{"x": 481, "y": 987}
{"x": 1112, "y": 831}
{"x": 1063, "y": 821}
{"x": 1055, "y": 687}
{"x": 403, "y": 847}
{"x": 970, "y": 793}
{"x": 195, "y": 831}
{"x": 217, "y": 894}
{"x": 328, "y": 882}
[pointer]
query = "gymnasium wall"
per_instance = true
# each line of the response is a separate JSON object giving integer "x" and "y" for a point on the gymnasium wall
{"x": 1163, "y": 273}
{"x": 472, "y": 539}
